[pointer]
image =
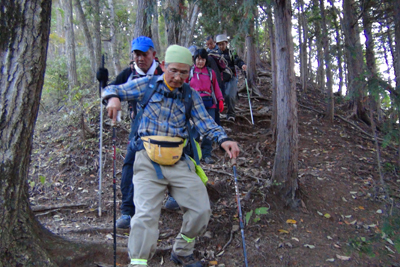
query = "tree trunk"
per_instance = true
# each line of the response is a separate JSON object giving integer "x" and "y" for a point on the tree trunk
{"x": 20, "y": 237}
{"x": 273, "y": 69}
{"x": 338, "y": 52}
{"x": 171, "y": 17}
{"x": 286, "y": 157}
{"x": 114, "y": 41}
{"x": 155, "y": 30}
{"x": 397, "y": 47}
{"x": 186, "y": 37}
{"x": 356, "y": 80}
{"x": 143, "y": 19}
{"x": 303, "y": 47}
{"x": 320, "y": 53}
{"x": 329, "y": 104}
{"x": 60, "y": 28}
{"x": 251, "y": 56}
{"x": 372, "y": 75}
{"x": 96, "y": 32}
{"x": 88, "y": 39}
{"x": 70, "y": 47}
{"x": 24, "y": 242}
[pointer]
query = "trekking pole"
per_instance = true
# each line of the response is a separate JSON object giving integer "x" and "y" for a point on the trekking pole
{"x": 233, "y": 161}
{"x": 114, "y": 139}
{"x": 101, "y": 85}
{"x": 248, "y": 95}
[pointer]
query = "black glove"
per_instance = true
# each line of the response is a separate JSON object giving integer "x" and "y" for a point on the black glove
{"x": 102, "y": 76}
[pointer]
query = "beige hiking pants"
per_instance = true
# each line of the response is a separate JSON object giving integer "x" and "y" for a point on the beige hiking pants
{"x": 149, "y": 191}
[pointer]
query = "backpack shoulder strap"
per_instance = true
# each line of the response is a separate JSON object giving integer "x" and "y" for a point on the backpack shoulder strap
{"x": 149, "y": 91}
{"x": 188, "y": 101}
{"x": 191, "y": 73}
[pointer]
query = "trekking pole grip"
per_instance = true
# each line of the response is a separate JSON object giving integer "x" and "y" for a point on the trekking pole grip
{"x": 233, "y": 162}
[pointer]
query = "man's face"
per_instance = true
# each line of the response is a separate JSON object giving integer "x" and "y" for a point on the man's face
{"x": 222, "y": 46}
{"x": 144, "y": 60}
{"x": 210, "y": 44}
{"x": 176, "y": 74}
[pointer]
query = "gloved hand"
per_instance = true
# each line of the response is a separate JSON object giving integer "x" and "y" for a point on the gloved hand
{"x": 102, "y": 76}
{"x": 221, "y": 106}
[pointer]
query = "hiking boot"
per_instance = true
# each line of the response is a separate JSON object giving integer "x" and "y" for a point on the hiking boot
{"x": 171, "y": 204}
{"x": 124, "y": 221}
{"x": 186, "y": 261}
{"x": 209, "y": 160}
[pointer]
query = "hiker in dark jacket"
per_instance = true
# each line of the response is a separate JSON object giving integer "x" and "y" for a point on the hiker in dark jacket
{"x": 230, "y": 80}
{"x": 211, "y": 45}
{"x": 143, "y": 64}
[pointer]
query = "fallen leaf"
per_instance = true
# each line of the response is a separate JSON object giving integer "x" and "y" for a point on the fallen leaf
{"x": 327, "y": 215}
{"x": 330, "y": 260}
{"x": 379, "y": 211}
{"x": 109, "y": 236}
{"x": 390, "y": 249}
{"x": 309, "y": 246}
{"x": 320, "y": 213}
{"x": 343, "y": 258}
{"x": 296, "y": 239}
{"x": 213, "y": 262}
{"x": 282, "y": 231}
{"x": 361, "y": 207}
{"x": 330, "y": 238}
{"x": 291, "y": 221}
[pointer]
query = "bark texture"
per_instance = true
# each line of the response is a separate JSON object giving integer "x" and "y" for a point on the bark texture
{"x": 23, "y": 61}
{"x": 143, "y": 19}
{"x": 354, "y": 55}
{"x": 329, "y": 101}
{"x": 70, "y": 46}
{"x": 286, "y": 156}
{"x": 88, "y": 38}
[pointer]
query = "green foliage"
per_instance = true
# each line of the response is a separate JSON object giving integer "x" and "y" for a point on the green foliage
{"x": 258, "y": 212}
{"x": 55, "y": 80}
{"x": 363, "y": 245}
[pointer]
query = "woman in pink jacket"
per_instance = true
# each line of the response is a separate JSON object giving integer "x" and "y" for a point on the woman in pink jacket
{"x": 204, "y": 81}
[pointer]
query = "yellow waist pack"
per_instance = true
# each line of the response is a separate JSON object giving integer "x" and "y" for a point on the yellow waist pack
{"x": 164, "y": 150}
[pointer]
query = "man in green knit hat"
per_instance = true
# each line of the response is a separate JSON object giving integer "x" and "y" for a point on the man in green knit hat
{"x": 161, "y": 131}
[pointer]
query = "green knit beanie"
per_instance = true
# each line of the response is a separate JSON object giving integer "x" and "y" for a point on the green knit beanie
{"x": 178, "y": 54}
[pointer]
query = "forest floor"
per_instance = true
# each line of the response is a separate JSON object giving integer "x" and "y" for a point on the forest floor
{"x": 344, "y": 218}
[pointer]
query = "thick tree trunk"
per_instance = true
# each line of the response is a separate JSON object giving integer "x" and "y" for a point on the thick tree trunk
{"x": 329, "y": 83}
{"x": 70, "y": 47}
{"x": 114, "y": 41}
{"x": 23, "y": 60}
{"x": 286, "y": 157}
{"x": 96, "y": 31}
{"x": 273, "y": 68}
{"x": 23, "y": 51}
{"x": 356, "y": 79}
{"x": 88, "y": 39}
{"x": 143, "y": 19}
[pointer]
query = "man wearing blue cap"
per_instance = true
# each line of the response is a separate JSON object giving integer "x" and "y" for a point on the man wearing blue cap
{"x": 143, "y": 64}
{"x": 164, "y": 118}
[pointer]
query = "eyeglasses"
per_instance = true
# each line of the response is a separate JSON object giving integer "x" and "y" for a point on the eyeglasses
{"x": 182, "y": 74}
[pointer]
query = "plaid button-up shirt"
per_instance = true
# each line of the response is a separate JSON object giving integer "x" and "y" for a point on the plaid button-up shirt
{"x": 166, "y": 116}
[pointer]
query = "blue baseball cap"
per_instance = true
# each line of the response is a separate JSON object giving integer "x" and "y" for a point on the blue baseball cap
{"x": 142, "y": 43}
